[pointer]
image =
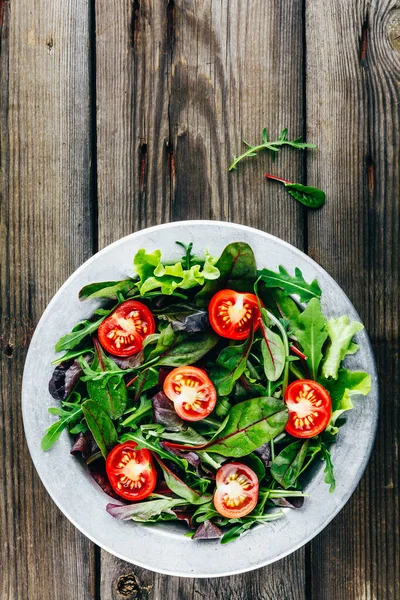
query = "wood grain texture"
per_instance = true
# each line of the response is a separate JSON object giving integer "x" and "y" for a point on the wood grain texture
{"x": 45, "y": 234}
{"x": 179, "y": 84}
{"x": 353, "y": 114}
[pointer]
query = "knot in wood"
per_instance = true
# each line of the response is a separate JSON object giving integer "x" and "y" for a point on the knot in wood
{"x": 394, "y": 29}
{"x": 128, "y": 587}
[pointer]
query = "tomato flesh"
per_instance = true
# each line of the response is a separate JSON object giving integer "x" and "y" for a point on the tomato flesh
{"x": 122, "y": 333}
{"x": 232, "y": 314}
{"x": 131, "y": 472}
{"x": 236, "y": 494}
{"x": 309, "y": 405}
{"x": 192, "y": 392}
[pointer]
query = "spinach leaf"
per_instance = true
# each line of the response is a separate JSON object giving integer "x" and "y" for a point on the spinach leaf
{"x": 100, "y": 425}
{"x": 329, "y": 474}
{"x": 311, "y": 197}
{"x": 180, "y": 488}
{"x": 185, "y": 317}
{"x": 272, "y": 349}
{"x": 144, "y": 511}
{"x": 230, "y": 365}
{"x": 347, "y": 384}
{"x": 341, "y": 333}
{"x": 250, "y": 424}
{"x": 110, "y": 392}
{"x": 54, "y": 431}
{"x": 286, "y": 466}
{"x": 107, "y": 289}
{"x": 79, "y": 332}
{"x": 238, "y": 271}
{"x": 291, "y": 284}
{"x": 186, "y": 350}
{"x": 311, "y": 335}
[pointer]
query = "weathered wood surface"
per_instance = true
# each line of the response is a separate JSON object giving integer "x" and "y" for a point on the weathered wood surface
{"x": 117, "y": 116}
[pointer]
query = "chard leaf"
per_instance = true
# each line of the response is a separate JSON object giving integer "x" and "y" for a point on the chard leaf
{"x": 100, "y": 425}
{"x": 79, "y": 332}
{"x": 54, "y": 431}
{"x": 272, "y": 349}
{"x": 250, "y": 424}
{"x": 238, "y": 271}
{"x": 230, "y": 365}
{"x": 144, "y": 511}
{"x": 311, "y": 335}
{"x": 291, "y": 284}
{"x": 107, "y": 289}
{"x": 186, "y": 350}
{"x": 341, "y": 333}
{"x": 180, "y": 488}
{"x": 347, "y": 384}
{"x": 109, "y": 392}
{"x": 154, "y": 275}
{"x": 286, "y": 466}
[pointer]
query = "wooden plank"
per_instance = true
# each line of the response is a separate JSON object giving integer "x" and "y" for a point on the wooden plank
{"x": 179, "y": 84}
{"x": 46, "y": 233}
{"x": 353, "y": 98}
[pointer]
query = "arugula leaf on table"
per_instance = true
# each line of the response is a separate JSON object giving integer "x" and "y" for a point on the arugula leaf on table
{"x": 109, "y": 392}
{"x": 79, "y": 332}
{"x": 291, "y": 284}
{"x": 311, "y": 335}
{"x": 311, "y": 197}
{"x": 286, "y": 466}
{"x": 341, "y": 333}
{"x": 347, "y": 384}
{"x": 238, "y": 271}
{"x": 145, "y": 511}
{"x": 67, "y": 418}
{"x": 167, "y": 278}
{"x": 271, "y": 147}
{"x": 101, "y": 426}
{"x": 107, "y": 289}
{"x": 179, "y": 487}
{"x": 230, "y": 365}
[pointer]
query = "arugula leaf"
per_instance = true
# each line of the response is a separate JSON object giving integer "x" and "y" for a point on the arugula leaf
{"x": 180, "y": 488}
{"x": 329, "y": 474}
{"x": 154, "y": 275}
{"x": 272, "y": 350}
{"x": 347, "y": 384}
{"x": 110, "y": 392}
{"x": 286, "y": 466}
{"x": 107, "y": 289}
{"x": 79, "y": 332}
{"x": 271, "y": 147}
{"x": 291, "y": 284}
{"x": 230, "y": 365}
{"x": 188, "y": 257}
{"x": 144, "y": 409}
{"x": 250, "y": 424}
{"x": 145, "y": 511}
{"x": 100, "y": 425}
{"x": 154, "y": 446}
{"x": 311, "y": 197}
{"x": 72, "y": 354}
{"x": 340, "y": 333}
{"x": 238, "y": 271}
{"x": 54, "y": 431}
{"x": 311, "y": 335}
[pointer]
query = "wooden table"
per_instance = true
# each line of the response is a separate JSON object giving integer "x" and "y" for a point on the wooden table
{"x": 119, "y": 115}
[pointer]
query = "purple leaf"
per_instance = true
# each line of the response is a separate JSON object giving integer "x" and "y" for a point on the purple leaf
{"x": 191, "y": 457}
{"x": 164, "y": 413}
{"x": 264, "y": 452}
{"x": 207, "y": 531}
{"x": 291, "y": 502}
{"x": 98, "y": 472}
{"x": 64, "y": 378}
{"x": 129, "y": 362}
{"x": 84, "y": 445}
{"x": 185, "y": 515}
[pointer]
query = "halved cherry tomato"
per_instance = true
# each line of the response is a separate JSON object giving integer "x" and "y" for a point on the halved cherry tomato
{"x": 192, "y": 392}
{"x": 232, "y": 314}
{"x": 123, "y": 332}
{"x": 237, "y": 490}
{"x": 309, "y": 407}
{"x": 131, "y": 472}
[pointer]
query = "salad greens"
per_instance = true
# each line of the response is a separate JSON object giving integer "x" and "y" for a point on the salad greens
{"x": 279, "y": 352}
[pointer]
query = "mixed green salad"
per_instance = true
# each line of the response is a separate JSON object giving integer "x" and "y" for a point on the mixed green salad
{"x": 205, "y": 391}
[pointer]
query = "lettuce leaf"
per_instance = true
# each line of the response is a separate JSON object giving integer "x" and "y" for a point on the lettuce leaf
{"x": 167, "y": 278}
{"x": 340, "y": 333}
{"x": 347, "y": 384}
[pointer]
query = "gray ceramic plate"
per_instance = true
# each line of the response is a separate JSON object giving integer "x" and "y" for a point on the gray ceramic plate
{"x": 162, "y": 547}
